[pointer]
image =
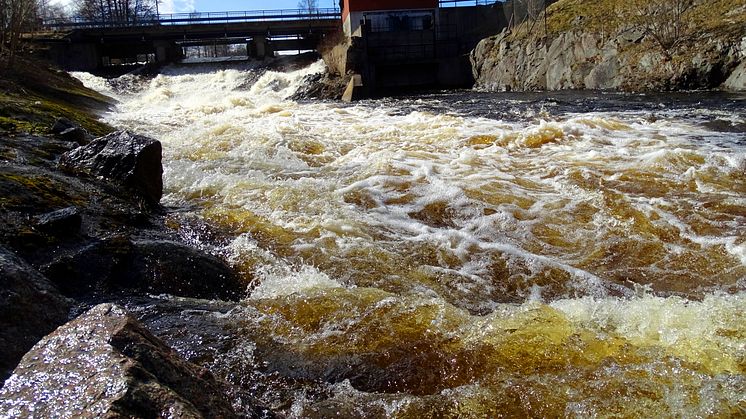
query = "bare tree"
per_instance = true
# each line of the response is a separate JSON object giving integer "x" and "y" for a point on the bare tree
{"x": 129, "y": 12}
{"x": 16, "y": 16}
{"x": 47, "y": 12}
{"x": 4, "y": 26}
{"x": 524, "y": 11}
{"x": 666, "y": 21}
{"x": 308, "y": 6}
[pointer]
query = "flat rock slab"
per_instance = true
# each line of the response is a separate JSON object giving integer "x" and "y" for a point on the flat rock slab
{"x": 106, "y": 364}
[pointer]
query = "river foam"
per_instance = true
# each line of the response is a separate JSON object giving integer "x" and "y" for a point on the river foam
{"x": 465, "y": 256}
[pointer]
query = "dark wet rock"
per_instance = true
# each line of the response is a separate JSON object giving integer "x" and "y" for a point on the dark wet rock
{"x": 34, "y": 191}
{"x": 78, "y": 135}
{"x": 32, "y": 149}
{"x": 106, "y": 364}
{"x": 99, "y": 267}
{"x": 68, "y": 130}
{"x": 113, "y": 243}
{"x": 323, "y": 86}
{"x": 64, "y": 222}
{"x": 62, "y": 125}
{"x": 174, "y": 268}
{"x": 143, "y": 266}
{"x": 199, "y": 329}
{"x": 211, "y": 334}
{"x": 30, "y": 197}
{"x": 30, "y": 307}
{"x": 125, "y": 158}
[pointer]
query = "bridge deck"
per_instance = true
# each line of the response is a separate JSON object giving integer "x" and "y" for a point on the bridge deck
{"x": 205, "y": 31}
{"x": 195, "y": 27}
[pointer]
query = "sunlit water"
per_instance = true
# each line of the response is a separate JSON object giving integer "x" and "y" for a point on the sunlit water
{"x": 466, "y": 254}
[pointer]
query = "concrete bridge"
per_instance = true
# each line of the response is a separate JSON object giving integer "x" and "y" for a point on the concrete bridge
{"x": 87, "y": 45}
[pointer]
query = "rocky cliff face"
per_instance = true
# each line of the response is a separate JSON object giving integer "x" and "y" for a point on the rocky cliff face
{"x": 627, "y": 57}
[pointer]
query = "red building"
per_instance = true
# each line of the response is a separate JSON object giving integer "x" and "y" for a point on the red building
{"x": 387, "y": 14}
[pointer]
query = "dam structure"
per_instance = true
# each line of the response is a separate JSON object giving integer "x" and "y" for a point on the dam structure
{"x": 393, "y": 45}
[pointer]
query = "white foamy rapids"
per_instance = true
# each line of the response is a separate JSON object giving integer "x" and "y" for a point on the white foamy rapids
{"x": 96, "y": 83}
{"x": 664, "y": 346}
{"x": 691, "y": 330}
{"x": 277, "y": 86}
{"x": 588, "y": 264}
{"x": 281, "y": 281}
{"x": 182, "y": 96}
{"x": 586, "y": 202}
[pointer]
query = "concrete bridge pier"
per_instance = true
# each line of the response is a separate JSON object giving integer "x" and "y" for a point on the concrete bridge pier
{"x": 260, "y": 47}
{"x": 167, "y": 52}
{"x": 78, "y": 57}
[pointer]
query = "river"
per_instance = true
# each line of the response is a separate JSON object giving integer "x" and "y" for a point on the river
{"x": 462, "y": 254}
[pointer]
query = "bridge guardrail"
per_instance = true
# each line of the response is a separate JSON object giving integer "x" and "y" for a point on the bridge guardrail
{"x": 466, "y": 3}
{"x": 198, "y": 17}
{"x": 225, "y": 17}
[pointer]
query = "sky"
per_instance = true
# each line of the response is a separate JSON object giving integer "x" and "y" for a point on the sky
{"x": 178, "y": 6}
{"x": 181, "y": 6}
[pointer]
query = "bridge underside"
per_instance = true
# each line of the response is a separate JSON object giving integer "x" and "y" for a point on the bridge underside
{"x": 91, "y": 48}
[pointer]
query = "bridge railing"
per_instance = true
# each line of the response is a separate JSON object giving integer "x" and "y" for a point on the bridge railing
{"x": 197, "y": 18}
{"x": 464, "y": 3}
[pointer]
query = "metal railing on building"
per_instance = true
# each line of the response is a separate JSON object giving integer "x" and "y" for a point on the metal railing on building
{"x": 466, "y": 3}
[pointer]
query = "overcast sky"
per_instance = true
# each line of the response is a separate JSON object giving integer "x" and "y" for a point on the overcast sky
{"x": 181, "y": 6}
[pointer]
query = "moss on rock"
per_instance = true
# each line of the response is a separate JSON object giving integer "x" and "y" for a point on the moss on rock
{"x": 33, "y": 95}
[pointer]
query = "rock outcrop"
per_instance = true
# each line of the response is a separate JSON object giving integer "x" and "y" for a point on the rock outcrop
{"x": 621, "y": 56}
{"x": 30, "y": 307}
{"x": 737, "y": 79}
{"x": 92, "y": 236}
{"x": 157, "y": 266}
{"x": 131, "y": 160}
{"x": 87, "y": 227}
{"x": 106, "y": 364}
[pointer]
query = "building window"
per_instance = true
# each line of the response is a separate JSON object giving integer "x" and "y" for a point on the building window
{"x": 399, "y": 21}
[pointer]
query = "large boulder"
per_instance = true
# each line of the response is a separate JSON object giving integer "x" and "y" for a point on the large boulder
{"x": 106, "y": 364}
{"x": 30, "y": 307}
{"x": 142, "y": 267}
{"x": 125, "y": 158}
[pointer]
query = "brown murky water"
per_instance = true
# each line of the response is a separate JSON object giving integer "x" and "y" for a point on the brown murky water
{"x": 467, "y": 254}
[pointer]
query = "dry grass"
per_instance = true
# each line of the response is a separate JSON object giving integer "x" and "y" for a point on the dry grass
{"x": 609, "y": 16}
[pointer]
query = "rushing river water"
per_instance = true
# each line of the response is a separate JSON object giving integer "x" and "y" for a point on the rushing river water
{"x": 464, "y": 254}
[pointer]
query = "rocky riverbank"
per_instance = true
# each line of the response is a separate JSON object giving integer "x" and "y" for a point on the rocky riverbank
{"x": 82, "y": 224}
{"x": 619, "y": 45}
